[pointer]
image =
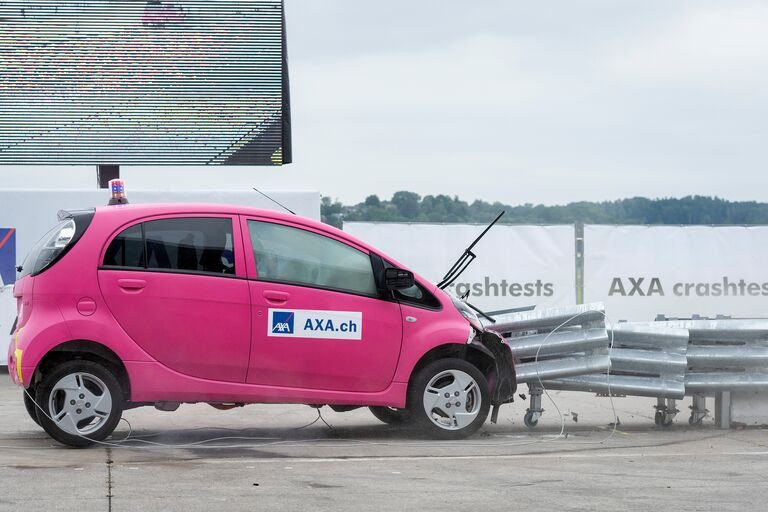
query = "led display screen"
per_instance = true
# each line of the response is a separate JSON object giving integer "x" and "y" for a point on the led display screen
{"x": 182, "y": 82}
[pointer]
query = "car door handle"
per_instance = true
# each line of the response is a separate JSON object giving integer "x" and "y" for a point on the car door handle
{"x": 131, "y": 284}
{"x": 276, "y": 297}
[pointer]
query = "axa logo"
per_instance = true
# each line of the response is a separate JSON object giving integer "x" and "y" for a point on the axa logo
{"x": 282, "y": 322}
{"x": 635, "y": 286}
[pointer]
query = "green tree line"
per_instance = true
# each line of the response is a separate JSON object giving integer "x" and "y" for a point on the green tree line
{"x": 411, "y": 207}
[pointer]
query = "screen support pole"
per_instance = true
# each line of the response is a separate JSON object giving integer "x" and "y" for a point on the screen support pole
{"x": 104, "y": 173}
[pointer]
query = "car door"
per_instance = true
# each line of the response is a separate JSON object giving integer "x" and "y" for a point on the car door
{"x": 318, "y": 321}
{"x": 176, "y": 286}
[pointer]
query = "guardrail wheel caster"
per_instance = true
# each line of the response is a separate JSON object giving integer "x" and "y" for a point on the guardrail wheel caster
{"x": 531, "y": 418}
{"x": 698, "y": 410}
{"x": 665, "y": 412}
{"x": 533, "y": 413}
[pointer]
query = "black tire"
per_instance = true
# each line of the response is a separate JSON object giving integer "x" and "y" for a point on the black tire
{"x": 91, "y": 377}
{"x": 30, "y": 405}
{"x": 434, "y": 422}
{"x": 391, "y": 415}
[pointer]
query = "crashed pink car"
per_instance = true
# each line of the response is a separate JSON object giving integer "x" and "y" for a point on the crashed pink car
{"x": 162, "y": 304}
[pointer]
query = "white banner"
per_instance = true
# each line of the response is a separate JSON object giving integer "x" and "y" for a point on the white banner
{"x": 516, "y": 265}
{"x": 642, "y": 271}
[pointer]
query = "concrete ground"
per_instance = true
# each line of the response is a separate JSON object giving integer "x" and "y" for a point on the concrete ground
{"x": 259, "y": 458}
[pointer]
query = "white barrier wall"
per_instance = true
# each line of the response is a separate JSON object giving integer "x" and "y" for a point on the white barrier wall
{"x": 516, "y": 265}
{"x": 642, "y": 271}
{"x": 33, "y": 212}
{"x": 637, "y": 271}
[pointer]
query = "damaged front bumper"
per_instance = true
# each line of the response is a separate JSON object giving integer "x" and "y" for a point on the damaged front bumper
{"x": 504, "y": 382}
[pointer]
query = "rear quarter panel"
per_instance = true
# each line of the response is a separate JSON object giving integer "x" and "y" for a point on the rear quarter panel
{"x": 55, "y": 318}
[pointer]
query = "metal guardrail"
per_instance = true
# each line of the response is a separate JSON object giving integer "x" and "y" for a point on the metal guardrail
{"x": 555, "y": 343}
{"x": 666, "y": 359}
{"x": 725, "y": 355}
{"x": 646, "y": 360}
{"x": 578, "y": 347}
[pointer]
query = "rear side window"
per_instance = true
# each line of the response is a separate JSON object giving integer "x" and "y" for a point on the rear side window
{"x": 194, "y": 244}
{"x": 126, "y": 249}
{"x": 290, "y": 255}
{"x": 188, "y": 244}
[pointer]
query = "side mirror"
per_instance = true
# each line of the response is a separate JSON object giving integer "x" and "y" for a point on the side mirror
{"x": 398, "y": 278}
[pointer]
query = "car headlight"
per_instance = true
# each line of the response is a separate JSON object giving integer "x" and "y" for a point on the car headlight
{"x": 467, "y": 313}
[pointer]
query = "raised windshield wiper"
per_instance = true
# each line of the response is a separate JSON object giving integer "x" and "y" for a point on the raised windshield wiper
{"x": 481, "y": 313}
{"x": 465, "y": 259}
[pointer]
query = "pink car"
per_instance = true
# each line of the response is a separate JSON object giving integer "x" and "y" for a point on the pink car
{"x": 133, "y": 305}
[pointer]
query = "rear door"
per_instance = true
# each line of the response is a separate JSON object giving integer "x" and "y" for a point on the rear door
{"x": 318, "y": 321}
{"x": 176, "y": 286}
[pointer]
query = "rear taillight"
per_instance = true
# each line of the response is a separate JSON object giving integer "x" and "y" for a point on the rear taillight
{"x": 56, "y": 243}
{"x": 58, "y": 240}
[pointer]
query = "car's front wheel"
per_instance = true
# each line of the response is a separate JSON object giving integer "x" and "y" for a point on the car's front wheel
{"x": 449, "y": 398}
{"x": 81, "y": 402}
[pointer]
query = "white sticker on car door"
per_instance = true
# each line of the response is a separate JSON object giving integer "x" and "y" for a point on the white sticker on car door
{"x": 309, "y": 323}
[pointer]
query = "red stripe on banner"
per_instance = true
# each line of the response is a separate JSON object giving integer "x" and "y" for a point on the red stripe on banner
{"x": 7, "y": 236}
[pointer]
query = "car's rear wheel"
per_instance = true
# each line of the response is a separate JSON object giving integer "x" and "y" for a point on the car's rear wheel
{"x": 81, "y": 403}
{"x": 449, "y": 399}
{"x": 29, "y": 404}
{"x": 391, "y": 415}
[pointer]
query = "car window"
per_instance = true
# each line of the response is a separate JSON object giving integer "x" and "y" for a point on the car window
{"x": 197, "y": 244}
{"x": 126, "y": 249}
{"x": 417, "y": 295}
{"x": 194, "y": 244}
{"x": 290, "y": 255}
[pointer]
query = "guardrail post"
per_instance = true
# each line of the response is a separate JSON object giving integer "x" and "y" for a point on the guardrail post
{"x": 578, "y": 229}
{"x": 723, "y": 410}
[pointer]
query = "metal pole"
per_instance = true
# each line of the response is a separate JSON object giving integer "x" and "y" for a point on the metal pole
{"x": 578, "y": 229}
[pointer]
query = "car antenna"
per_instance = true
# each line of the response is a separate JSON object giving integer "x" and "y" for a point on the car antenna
{"x": 274, "y": 201}
{"x": 466, "y": 258}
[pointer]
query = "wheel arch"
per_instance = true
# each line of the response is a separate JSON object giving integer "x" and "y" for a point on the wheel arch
{"x": 477, "y": 355}
{"x": 86, "y": 350}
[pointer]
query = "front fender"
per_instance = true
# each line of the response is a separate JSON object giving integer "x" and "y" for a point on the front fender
{"x": 426, "y": 334}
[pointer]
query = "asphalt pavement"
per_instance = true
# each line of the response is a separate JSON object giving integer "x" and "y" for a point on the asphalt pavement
{"x": 287, "y": 457}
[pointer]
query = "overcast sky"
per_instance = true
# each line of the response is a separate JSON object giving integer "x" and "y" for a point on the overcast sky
{"x": 542, "y": 102}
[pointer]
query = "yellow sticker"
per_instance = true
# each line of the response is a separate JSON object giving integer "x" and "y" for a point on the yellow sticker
{"x": 18, "y": 365}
